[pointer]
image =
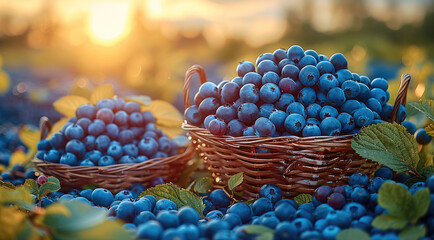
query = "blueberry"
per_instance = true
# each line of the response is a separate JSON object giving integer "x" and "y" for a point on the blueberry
{"x": 287, "y": 85}
{"x": 57, "y": 140}
{"x": 360, "y": 195}
{"x": 278, "y": 117}
{"x": 384, "y": 172}
{"x": 265, "y": 110}
{"x": 76, "y": 147}
{"x": 330, "y": 126}
{"x": 267, "y": 66}
{"x": 115, "y": 151}
{"x": 235, "y": 128}
{"x": 284, "y": 100}
{"x": 242, "y": 210}
{"x": 226, "y": 113}
{"x": 321, "y": 98}
{"x": 249, "y": 131}
{"x": 249, "y": 93}
{"x": 265, "y": 56}
{"x": 402, "y": 114}
{"x": 358, "y": 180}
{"x": 294, "y": 123}
{"x": 296, "y": 107}
{"x": 309, "y": 75}
{"x": 343, "y": 75}
{"x": 351, "y": 89}
{"x": 148, "y": 147}
{"x": 374, "y": 105}
{"x": 208, "y": 106}
{"x": 302, "y": 225}
{"x": 295, "y": 53}
{"x": 280, "y": 54}
{"x": 285, "y": 230}
{"x": 121, "y": 118}
{"x": 52, "y": 156}
{"x": 131, "y": 150}
{"x": 307, "y": 60}
{"x": 379, "y": 94}
{"x": 264, "y": 127}
{"x": 269, "y": 93}
{"x": 271, "y": 191}
{"x": 311, "y": 130}
{"x": 327, "y": 82}
{"x": 190, "y": 231}
{"x": 336, "y": 97}
{"x": 253, "y": 78}
{"x": 347, "y": 122}
{"x": 86, "y": 111}
{"x": 290, "y": 71}
{"x": 87, "y": 162}
{"x": 168, "y": 219}
{"x": 238, "y": 81}
{"x": 193, "y": 116}
{"x": 215, "y": 214}
{"x": 150, "y": 230}
{"x": 336, "y": 200}
{"x": 164, "y": 204}
{"x": 380, "y": 83}
{"x": 248, "y": 113}
{"x": 245, "y": 67}
{"x": 330, "y": 232}
{"x": 355, "y": 210}
{"x": 416, "y": 187}
{"x": 96, "y": 128}
{"x": 363, "y": 117}
{"x": 306, "y": 96}
{"x": 118, "y": 103}
{"x": 94, "y": 156}
{"x": 187, "y": 215}
{"x": 102, "y": 197}
{"x": 325, "y": 67}
{"x": 232, "y": 219}
{"x": 230, "y": 92}
{"x": 386, "y": 112}
{"x": 213, "y": 226}
{"x": 410, "y": 126}
{"x": 270, "y": 77}
{"x": 219, "y": 198}
{"x": 217, "y": 127}
{"x": 339, "y": 61}
{"x": 106, "y": 161}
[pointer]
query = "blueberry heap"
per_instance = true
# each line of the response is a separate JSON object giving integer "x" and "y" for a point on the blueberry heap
{"x": 114, "y": 131}
{"x": 332, "y": 210}
{"x": 293, "y": 92}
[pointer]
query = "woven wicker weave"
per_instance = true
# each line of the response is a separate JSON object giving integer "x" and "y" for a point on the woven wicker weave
{"x": 296, "y": 164}
{"x": 115, "y": 177}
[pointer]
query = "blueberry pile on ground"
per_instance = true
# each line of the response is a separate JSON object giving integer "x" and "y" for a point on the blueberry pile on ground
{"x": 292, "y": 93}
{"x": 331, "y": 211}
{"x": 113, "y": 131}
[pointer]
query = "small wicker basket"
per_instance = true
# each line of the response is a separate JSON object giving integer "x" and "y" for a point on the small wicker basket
{"x": 296, "y": 164}
{"x": 114, "y": 177}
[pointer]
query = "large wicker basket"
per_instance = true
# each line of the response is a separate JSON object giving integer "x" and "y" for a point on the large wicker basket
{"x": 115, "y": 177}
{"x": 296, "y": 164}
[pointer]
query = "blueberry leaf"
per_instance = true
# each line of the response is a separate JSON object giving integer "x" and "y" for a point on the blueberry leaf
{"x": 235, "y": 180}
{"x": 47, "y": 188}
{"x": 19, "y": 197}
{"x": 396, "y": 199}
{"x": 352, "y": 233}
{"x": 414, "y": 180}
{"x": 78, "y": 217}
{"x": 32, "y": 186}
{"x": 102, "y": 92}
{"x": 203, "y": 185}
{"x": 421, "y": 201}
{"x": 7, "y": 185}
{"x": 430, "y": 129}
{"x": 388, "y": 144}
{"x": 427, "y": 171}
{"x": 303, "y": 198}
{"x": 181, "y": 197}
{"x": 30, "y": 136}
{"x": 386, "y": 221}
{"x": 425, "y": 106}
{"x": 413, "y": 232}
{"x": 67, "y": 105}
{"x": 259, "y": 230}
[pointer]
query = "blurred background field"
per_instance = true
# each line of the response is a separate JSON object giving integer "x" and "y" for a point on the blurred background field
{"x": 53, "y": 48}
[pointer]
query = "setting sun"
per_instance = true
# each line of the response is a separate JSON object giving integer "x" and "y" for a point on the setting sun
{"x": 108, "y": 21}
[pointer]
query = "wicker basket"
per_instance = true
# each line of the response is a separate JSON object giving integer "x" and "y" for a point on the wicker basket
{"x": 296, "y": 164}
{"x": 114, "y": 177}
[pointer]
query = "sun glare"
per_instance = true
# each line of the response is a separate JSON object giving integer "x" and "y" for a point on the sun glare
{"x": 108, "y": 21}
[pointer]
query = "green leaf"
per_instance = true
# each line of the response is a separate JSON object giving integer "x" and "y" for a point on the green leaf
{"x": 386, "y": 221}
{"x": 303, "y": 198}
{"x": 353, "y": 233}
{"x": 19, "y": 197}
{"x": 47, "y": 188}
{"x": 79, "y": 217}
{"x": 11, "y": 222}
{"x": 258, "y": 230}
{"x": 427, "y": 171}
{"x": 388, "y": 144}
{"x": 413, "y": 232}
{"x": 108, "y": 230}
{"x": 201, "y": 185}
{"x": 181, "y": 197}
{"x": 7, "y": 185}
{"x": 32, "y": 185}
{"x": 426, "y": 106}
{"x": 420, "y": 201}
{"x": 53, "y": 180}
{"x": 396, "y": 199}
{"x": 430, "y": 129}
{"x": 235, "y": 180}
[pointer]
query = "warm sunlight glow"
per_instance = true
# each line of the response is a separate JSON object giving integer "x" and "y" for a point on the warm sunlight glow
{"x": 108, "y": 21}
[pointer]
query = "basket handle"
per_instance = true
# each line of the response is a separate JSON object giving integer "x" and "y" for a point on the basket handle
{"x": 187, "y": 82}
{"x": 401, "y": 98}
{"x": 45, "y": 126}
